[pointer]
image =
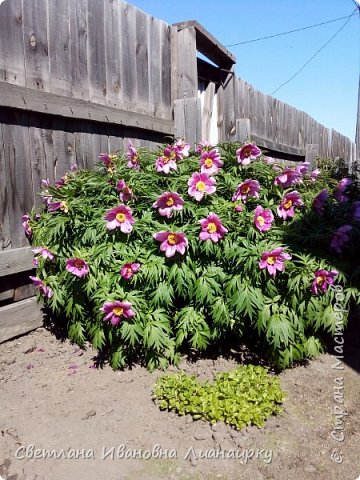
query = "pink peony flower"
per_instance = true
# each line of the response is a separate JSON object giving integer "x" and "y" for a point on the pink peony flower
{"x": 182, "y": 148}
{"x": 171, "y": 242}
{"x": 203, "y": 146}
{"x": 117, "y": 310}
{"x": 288, "y": 177}
{"x": 167, "y": 161}
{"x": 167, "y": 203}
{"x": 247, "y": 153}
{"x": 248, "y": 188}
{"x": 43, "y": 252}
{"x": 108, "y": 161}
{"x": 340, "y": 189}
{"x": 263, "y": 218}
{"x": 74, "y": 167}
{"x": 133, "y": 157}
{"x": 303, "y": 168}
{"x": 274, "y": 261}
{"x": 286, "y": 209}
{"x": 126, "y": 193}
{"x": 199, "y": 184}
{"x": 340, "y": 237}
{"x": 128, "y": 270}
{"x": 210, "y": 162}
{"x": 322, "y": 280}
{"x": 40, "y": 285}
{"x": 239, "y": 208}
{"x": 120, "y": 217}
{"x": 63, "y": 181}
{"x": 314, "y": 175}
{"x": 26, "y": 225}
{"x": 212, "y": 228}
{"x": 77, "y": 266}
{"x": 320, "y": 200}
{"x": 45, "y": 182}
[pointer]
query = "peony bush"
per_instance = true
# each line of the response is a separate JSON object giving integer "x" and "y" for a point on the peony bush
{"x": 153, "y": 253}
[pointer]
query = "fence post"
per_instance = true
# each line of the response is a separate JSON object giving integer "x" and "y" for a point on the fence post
{"x": 187, "y": 119}
{"x": 242, "y": 132}
{"x": 311, "y": 152}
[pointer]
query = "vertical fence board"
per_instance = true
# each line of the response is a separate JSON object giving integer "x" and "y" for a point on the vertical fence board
{"x": 35, "y": 20}
{"x": 12, "y": 62}
{"x": 59, "y": 46}
{"x": 128, "y": 45}
{"x": 113, "y": 50}
{"x": 64, "y": 148}
{"x": 142, "y": 60}
{"x": 79, "y": 49}
{"x": 5, "y": 238}
{"x": 96, "y": 55}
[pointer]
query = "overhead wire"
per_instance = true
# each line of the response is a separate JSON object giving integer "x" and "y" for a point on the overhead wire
{"x": 290, "y": 31}
{"x": 316, "y": 53}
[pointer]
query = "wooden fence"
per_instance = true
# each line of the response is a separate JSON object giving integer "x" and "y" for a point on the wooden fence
{"x": 80, "y": 77}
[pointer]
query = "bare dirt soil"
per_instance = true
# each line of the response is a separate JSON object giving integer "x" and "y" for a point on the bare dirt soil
{"x": 54, "y": 402}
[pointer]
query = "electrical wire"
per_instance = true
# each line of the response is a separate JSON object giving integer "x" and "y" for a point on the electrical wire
{"x": 289, "y": 31}
{"x": 316, "y": 53}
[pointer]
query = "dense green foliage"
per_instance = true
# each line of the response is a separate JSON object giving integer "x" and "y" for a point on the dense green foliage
{"x": 212, "y": 292}
{"x": 245, "y": 396}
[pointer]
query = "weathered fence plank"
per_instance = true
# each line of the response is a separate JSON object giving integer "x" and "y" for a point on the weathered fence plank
{"x": 79, "y": 49}
{"x": 15, "y": 261}
{"x": 96, "y": 45}
{"x": 19, "y": 318}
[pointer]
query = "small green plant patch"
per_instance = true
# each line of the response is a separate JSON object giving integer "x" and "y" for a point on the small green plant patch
{"x": 245, "y": 396}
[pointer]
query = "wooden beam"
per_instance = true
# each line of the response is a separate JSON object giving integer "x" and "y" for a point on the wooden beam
{"x": 19, "y": 318}
{"x": 279, "y": 148}
{"x": 209, "y": 45}
{"x": 22, "y": 98}
{"x": 15, "y": 261}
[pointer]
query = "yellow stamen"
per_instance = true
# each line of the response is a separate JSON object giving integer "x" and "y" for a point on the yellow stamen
{"x": 200, "y": 186}
{"x": 121, "y": 217}
{"x": 320, "y": 280}
{"x": 271, "y": 260}
{"x": 172, "y": 155}
{"x": 170, "y": 202}
{"x": 260, "y": 220}
{"x": 208, "y": 162}
{"x": 211, "y": 228}
{"x": 245, "y": 189}
{"x": 172, "y": 239}
{"x": 118, "y": 311}
{"x": 288, "y": 204}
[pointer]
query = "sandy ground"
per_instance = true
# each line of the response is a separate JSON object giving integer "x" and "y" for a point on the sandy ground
{"x": 54, "y": 402}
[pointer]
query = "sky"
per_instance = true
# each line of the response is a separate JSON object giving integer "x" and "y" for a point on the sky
{"x": 327, "y": 88}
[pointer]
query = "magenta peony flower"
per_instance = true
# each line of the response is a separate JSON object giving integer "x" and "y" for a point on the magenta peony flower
{"x": 210, "y": 162}
{"x": 212, "y": 228}
{"x": 172, "y": 242}
{"x": 356, "y": 211}
{"x": 167, "y": 203}
{"x": 199, "y": 184}
{"x": 54, "y": 206}
{"x": 239, "y": 208}
{"x": 40, "y": 285}
{"x": 247, "y": 153}
{"x": 74, "y": 167}
{"x": 45, "y": 182}
{"x": 286, "y": 209}
{"x": 320, "y": 200}
{"x": 263, "y": 218}
{"x": 248, "y": 188}
{"x": 274, "y": 261}
{"x": 128, "y": 270}
{"x": 133, "y": 157}
{"x": 26, "y": 225}
{"x": 340, "y": 237}
{"x": 43, "y": 252}
{"x": 117, "y": 310}
{"x": 108, "y": 160}
{"x": 322, "y": 280}
{"x": 126, "y": 193}
{"x": 77, "y": 266}
{"x": 288, "y": 177}
{"x": 182, "y": 148}
{"x": 340, "y": 189}
{"x": 63, "y": 181}
{"x": 120, "y": 217}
